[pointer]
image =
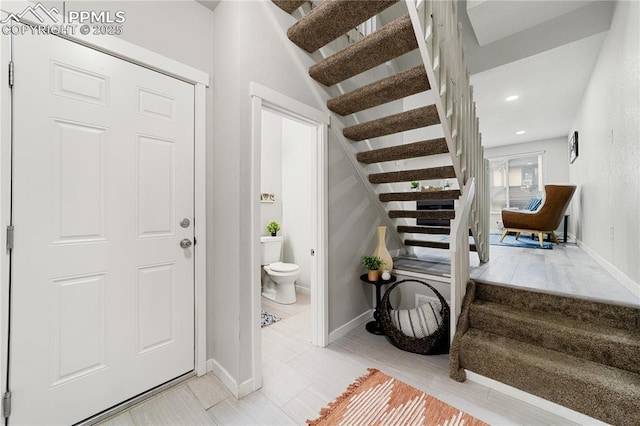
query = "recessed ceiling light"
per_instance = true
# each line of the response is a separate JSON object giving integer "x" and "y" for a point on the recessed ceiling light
{"x": 521, "y": 132}
{"x": 511, "y": 98}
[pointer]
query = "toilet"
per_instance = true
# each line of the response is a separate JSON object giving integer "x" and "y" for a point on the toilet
{"x": 278, "y": 278}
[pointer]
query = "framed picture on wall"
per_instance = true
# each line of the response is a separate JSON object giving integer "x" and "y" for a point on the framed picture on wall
{"x": 573, "y": 147}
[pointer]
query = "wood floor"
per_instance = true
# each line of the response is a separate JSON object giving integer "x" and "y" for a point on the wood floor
{"x": 300, "y": 379}
{"x": 565, "y": 269}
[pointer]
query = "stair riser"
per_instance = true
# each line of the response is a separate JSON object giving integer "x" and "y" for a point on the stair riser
{"x": 626, "y": 318}
{"x": 396, "y": 123}
{"x": 602, "y": 349}
{"x": 392, "y": 40}
{"x": 590, "y": 397}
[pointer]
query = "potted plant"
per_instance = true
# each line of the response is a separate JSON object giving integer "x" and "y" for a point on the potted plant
{"x": 414, "y": 185}
{"x": 273, "y": 227}
{"x": 372, "y": 264}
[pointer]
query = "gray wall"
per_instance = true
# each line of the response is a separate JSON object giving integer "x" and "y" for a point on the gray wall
{"x": 607, "y": 170}
{"x": 250, "y": 45}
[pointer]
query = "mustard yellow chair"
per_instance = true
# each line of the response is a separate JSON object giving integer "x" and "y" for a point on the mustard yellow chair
{"x": 543, "y": 221}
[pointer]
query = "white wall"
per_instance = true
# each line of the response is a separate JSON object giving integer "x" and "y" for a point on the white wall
{"x": 250, "y": 44}
{"x": 297, "y": 143}
{"x": 286, "y": 172}
{"x": 271, "y": 168}
{"x": 607, "y": 170}
{"x": 555, "y": 163}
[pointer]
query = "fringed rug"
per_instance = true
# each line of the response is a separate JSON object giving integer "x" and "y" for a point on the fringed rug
{"x": 523, "y": 241}
{"x": 380, "y": 399}
{"x": 268, "y": 319}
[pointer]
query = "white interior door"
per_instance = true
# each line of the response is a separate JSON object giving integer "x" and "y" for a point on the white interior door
{"x": 102, "y": 291}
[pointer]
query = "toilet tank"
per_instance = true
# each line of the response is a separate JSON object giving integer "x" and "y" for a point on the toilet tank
{"x": 271, "y": 250}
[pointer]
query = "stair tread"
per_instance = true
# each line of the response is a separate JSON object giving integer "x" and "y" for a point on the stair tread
{"x": 431, "y": 230}
{"x": 394, "y": 123}
{"x": 288, "y": 5}
{"x": 434, "y": 244}
{"x": 331, "y": 19}
{"x": 405, "y": 151}
{"x": 604, "y": 313}
{"x": 443, "y": 172}
{"x": 397, "y": 86}
{"x": 422, "y": 214}
{"x": 391, "y": 41}
{"x": 451, "y": 194}
{"x": 551, "y": 331}
{"x": 557, "y": 361}
{"x": 595, "y": 389}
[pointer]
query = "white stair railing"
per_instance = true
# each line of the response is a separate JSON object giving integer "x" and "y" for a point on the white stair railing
{"x": 440, "y": 42}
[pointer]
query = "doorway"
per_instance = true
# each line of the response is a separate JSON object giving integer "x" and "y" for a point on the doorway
{"x": 103, "y": 263}
{"x": 265, "y": 100}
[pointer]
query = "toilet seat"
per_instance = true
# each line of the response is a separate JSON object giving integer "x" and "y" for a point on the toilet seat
{"x": 283, "y": 267}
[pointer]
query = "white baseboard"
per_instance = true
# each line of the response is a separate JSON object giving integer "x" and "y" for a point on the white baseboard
{"x": 354, "y": 323}
{"x": 536, "y": 401}
{"x": 221, "y": 373}
{"x": 622, "y": 278}
{"x": 303, "y": 290}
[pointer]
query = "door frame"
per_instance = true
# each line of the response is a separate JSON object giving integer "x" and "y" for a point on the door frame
{"x": 265, "y": 98}
{"x": 129, "y": 52}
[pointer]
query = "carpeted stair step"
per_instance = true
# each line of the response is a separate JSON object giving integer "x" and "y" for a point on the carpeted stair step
{"x": 288, "y": 5}
{"x": 389, "y": 42}
{"x": 402, "y": 152}
{"x": 422, "y": 214}
{"x": 578, "y": 338}
{"x": 392, "y": 88}
{"x": 433, "y": 244}
{"x": 450, "y": 194}
{"x": 432, "y": 230}
{"x": 442, "y": 172}
{"x": 607, "y": 314}
{"x": 395, "y": 123}
{"x": 606, "y": 393}
{"x": 331, "y": 19}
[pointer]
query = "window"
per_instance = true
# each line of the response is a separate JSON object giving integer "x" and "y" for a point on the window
{"x": 515, "y": 180}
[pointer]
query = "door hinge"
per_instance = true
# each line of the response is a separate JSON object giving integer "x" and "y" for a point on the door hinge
{"x": 6, "y": 404}
{"x": 10, "y": 237}
{"x": 11, "y": 74}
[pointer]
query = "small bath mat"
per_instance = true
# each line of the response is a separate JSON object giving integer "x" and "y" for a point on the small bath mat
{"x": 268, "y": 319}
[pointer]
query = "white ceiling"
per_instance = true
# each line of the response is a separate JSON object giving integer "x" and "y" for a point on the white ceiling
{"x": 543, "y": 51}
{"x": 550, "y": 86}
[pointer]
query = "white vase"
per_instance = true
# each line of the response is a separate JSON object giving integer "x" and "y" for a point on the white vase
{"x": 381, "y": 250}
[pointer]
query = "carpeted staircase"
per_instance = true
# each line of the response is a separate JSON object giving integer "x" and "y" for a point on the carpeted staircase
{"x": 581, "y": 354}
{"x": 332, "y": 19}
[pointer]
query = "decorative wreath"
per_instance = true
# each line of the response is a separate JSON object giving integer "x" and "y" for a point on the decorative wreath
{"x": 423, "y": 330}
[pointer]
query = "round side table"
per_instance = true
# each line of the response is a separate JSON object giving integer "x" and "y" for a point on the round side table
{"x": 375, "y": 327}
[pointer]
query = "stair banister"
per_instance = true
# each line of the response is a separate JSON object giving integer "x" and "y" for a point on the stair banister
{"x": 460, "y": 270}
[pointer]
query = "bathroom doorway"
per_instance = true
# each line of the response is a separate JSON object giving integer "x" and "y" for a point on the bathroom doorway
{"x": 289, "y": 141}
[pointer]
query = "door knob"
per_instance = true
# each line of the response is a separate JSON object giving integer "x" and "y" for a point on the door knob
{"x": 186, "y": 243}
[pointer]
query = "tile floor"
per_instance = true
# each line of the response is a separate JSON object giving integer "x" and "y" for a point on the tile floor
{"x": 300, "y": 379}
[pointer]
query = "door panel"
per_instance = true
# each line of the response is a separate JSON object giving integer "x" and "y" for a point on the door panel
{"x": 102, "y": 292}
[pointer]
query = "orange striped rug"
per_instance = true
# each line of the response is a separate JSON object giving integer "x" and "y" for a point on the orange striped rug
{"x": 378, "y": 399}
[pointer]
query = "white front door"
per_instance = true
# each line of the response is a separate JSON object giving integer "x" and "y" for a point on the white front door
{"x": 102, "y": 291}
